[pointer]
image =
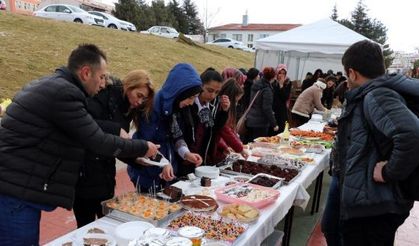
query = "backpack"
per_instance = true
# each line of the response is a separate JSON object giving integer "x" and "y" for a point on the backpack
{"x": 410, "y": 186}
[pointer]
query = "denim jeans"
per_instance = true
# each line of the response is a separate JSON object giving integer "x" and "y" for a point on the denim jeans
{"x": 19, "y": 222}
{"x": 331, "y": 226}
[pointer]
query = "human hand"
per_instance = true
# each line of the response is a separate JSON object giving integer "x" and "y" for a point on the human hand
{"x": 167, "y": 174}
{"x": 140, "y": 161}
{"x": 276, "y": 128}
{"x": 152, "y": 149}
{"x": 193, "y": 158}
{"x": 378, "y": 172}
{"x": 124, "y": 134}
{"x": 245, "y": 154}
{"x": 224, "y": 102}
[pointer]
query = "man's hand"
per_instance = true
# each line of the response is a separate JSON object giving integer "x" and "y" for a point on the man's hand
{"x": 124, "y": 134}
{"x": 152, "y": 149}
{"x": 378, "y": 172}
{"x": 276, "y": 128}
{"x": 167, "y": 173}
{"x": 224, "y": 102}
{"x": 196, "y": 159}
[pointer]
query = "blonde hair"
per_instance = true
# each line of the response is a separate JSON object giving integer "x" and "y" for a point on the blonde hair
{"x": 138, "y": 79}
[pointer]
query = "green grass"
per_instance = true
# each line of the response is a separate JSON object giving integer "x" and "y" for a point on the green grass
{"x": 32, "y": 47}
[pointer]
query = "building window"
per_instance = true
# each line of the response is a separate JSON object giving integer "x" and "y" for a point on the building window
{"x": 264, "y": 35}
{"x": 238, "y": 37}
{"x": 250, "y": 38}
{"x": 223, "y": 35}
{"x": 250, "y": 45}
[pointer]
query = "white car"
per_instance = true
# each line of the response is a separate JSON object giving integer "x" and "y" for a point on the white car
{"x": 69, "y": 13}
{"x": 162, "y": 31}
{"x": 228, "y": 43}
{"x": 113, "y": 22}
{"x": 131, "y": 27}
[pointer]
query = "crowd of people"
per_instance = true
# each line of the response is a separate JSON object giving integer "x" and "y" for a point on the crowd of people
{"x": 61, "y": 134}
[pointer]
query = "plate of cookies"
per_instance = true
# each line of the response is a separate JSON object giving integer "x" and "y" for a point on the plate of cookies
{"x": 240, "y": 212}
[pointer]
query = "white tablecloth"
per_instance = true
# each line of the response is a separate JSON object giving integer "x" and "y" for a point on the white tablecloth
{"x": 270, "y": 216}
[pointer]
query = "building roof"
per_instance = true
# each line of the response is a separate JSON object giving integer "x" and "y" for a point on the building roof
{"x": 255, "y": 27}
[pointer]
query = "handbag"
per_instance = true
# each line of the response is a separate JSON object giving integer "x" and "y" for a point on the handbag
{"x": 241, "y": 124}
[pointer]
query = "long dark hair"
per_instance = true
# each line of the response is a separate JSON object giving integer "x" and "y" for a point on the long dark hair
{"x": 233, "y": 90}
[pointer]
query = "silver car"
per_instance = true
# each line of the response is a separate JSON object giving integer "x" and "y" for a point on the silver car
{"x": 162, "y": 31}
{"x": 69, "y": 13}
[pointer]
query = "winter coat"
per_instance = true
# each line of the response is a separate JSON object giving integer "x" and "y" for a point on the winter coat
{"x": 397, "y": 131}
{"x": 43, "y": 138}
{"x": 261, "y": 114}
{"x": 110, "y": 109}
{"x": 280, "y": 101}
{"x": 307, "y": 101}
{"x": 158, "y": 129}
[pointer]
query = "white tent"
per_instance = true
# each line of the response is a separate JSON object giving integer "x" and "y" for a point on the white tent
{"x": 304, "y": 49}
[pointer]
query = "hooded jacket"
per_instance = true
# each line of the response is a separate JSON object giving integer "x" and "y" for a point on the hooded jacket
{"x": 158, "y": 129}
{"x": 383, "y": 99}
{"x": 43, "y": 137}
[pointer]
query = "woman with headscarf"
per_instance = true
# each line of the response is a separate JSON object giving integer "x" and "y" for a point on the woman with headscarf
{"x": 281, "y": 95}
{"x": 178, "y": 92}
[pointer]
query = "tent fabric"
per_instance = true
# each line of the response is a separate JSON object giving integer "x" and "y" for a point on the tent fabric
{"x": 304, "y": 49}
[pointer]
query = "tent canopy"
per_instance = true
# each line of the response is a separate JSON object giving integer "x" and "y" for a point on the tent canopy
{"x": 303, "y": 49}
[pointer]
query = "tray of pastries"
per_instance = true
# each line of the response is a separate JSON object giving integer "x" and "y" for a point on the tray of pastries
{"x": 240, "y": 212}
{"x": 199, "y": 203}
{"x": 133, "y": 206}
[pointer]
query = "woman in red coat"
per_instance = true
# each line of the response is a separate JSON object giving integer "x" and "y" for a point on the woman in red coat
{"x": 229, "y": 139}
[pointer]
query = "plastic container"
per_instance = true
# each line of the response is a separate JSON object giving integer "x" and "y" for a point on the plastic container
{"x": 193, "y": 233}
{"x": 207, "y": 171}
{"x": 276, "y": 185}
{"x": 224, "y": 194}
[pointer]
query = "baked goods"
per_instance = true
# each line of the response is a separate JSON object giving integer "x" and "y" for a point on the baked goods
{"x": 205, "y": 181}
{"x": 247, "y": 193}
{"x": 291, "y": 151}
{"x": 266, "y": 181}
{"x": 311, "y": 134}
{"x": 199, "y": 203}
{"x": 241, "y": 212}
{"x": 282, "y": 161}
{"x": 273, "y": 139}
{"x": 67, "y": 244}
{"x": 95, "y": 230}
{"x": 256, "y": 168}
{"x": 216, "y": 229}
{"x": 92, "y": 241}
{"x": 174, "y": 192}
{"x": 142, "y": 206}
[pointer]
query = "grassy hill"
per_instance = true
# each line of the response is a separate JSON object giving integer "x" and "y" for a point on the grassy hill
{"x": 32, "y": 47}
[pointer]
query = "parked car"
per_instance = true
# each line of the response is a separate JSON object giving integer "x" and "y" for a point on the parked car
{"x": 2, "y": 5}
{"x": 69, "y": 13}
{"x": 162, "y": 31}
{"x": 131, "y": 27}
{"x": 228, "y": 43}
{"x": 113, "y": 22}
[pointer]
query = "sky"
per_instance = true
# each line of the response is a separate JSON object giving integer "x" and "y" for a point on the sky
{"x": 398, "y": 16}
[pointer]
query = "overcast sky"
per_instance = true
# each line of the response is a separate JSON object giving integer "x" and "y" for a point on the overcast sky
{"x": 397, "y": 15}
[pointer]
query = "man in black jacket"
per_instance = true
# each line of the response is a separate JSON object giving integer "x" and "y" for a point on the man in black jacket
{"x": 378, "y": 147}
{"x": 43, "y": 136}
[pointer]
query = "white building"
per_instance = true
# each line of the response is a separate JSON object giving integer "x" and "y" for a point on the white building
{"x": 247, "y": 33}
{"x": 403, "y": 62}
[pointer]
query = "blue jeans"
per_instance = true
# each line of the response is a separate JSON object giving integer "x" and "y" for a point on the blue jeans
{"x": 331, "y": 226}
{"x": 19, "y": 222}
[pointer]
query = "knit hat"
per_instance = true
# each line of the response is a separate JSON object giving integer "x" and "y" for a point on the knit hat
{"x": 281, "y": 67}
{"x": 320, "y": 84}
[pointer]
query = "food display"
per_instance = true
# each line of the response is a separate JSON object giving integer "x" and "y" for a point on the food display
{"x": 215, "y": 228}
{"x": 241, "y": 212}
{"x": 205, "y": 182}
{"x": 266, "y": 180}
{"x": 173, "y": 192}
{"x": 141, "y": 206}
{"x": 291, "y": 151}
{"x": 282, "y": 161}
{"x": 207, "y": 171}
{"x": 315, "y": 148}
{"x": 96, "y": 239}
{"x": 245, "y": 193}
{"x": 249, "y": 167}
{"x": 199, "y": 203}
{"x": 311, "y": 135}
{"x": 273, "y": 139}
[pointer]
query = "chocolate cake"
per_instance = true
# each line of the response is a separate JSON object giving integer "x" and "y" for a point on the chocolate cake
{"x": 205, "y": 181}
{"x": 199, "y": 203}
{"x": 175, "y": 193}
{"x": 254, "y": 168}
